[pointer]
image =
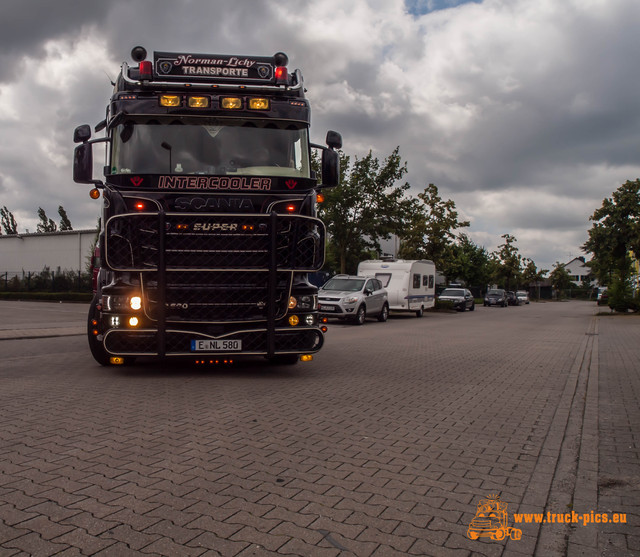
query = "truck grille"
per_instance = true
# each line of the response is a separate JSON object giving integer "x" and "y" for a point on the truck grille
{"x": 207, "y": 241}
{"x": 216, "y": 296}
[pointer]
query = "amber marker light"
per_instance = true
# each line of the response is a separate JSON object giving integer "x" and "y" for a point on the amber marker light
{"x": 294, "y": 320}
{"x": 94, "y": 193}
{"x": 320, "y": 198}
{"x": 259, "y": 104}
{"x": 116, "y": 360}
{"x": 199, "y": 102}
{"x": 292, "y": 302}
{"x": 306, "y": 358}
{"x": 170, "y": 100}
{"x": 231, "y": 103}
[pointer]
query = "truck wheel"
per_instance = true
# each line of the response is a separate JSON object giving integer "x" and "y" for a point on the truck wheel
{"x": 361, "y": 316}
{"x": 384, "y": 314}
{"x": 499, "y": 534}
{"x": 420, "y": 312}
{"x": 97, "y": 349}
{"x": 284, "y": 360}
{"x": 98, "y": 352}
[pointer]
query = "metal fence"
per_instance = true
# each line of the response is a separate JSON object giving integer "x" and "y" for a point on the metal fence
{"x": 46, "y": 280}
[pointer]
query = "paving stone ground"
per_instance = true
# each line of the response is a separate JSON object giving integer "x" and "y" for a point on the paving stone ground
{"x": 384, "y": 445}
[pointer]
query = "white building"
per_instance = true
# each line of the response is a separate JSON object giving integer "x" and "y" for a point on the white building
{"x": 60, "y": 251}
{"x": 579, "y": 271}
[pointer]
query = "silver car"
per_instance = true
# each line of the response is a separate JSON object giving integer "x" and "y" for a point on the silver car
{"x": 353, "y": 298}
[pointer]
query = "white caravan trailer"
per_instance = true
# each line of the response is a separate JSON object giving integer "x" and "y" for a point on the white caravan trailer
{"x": 411, "y": 285}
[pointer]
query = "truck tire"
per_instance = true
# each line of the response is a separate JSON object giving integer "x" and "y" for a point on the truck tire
{"x": 284, "y": 360}
{"x": 420, "y": 312}
{"x": 98, "y": 352}
{"x": 384, "y": 314}
{"x": 361, "y": 316}
{"x": 97, "y": 349}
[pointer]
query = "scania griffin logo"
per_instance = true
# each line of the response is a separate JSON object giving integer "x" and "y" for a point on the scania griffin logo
{"x": 215, "y": 227}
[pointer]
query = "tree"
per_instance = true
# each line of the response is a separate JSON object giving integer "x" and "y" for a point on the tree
{"x": 431, "y": 230}
{"x": 65, "y": 223}
{"x": 8, "y": 221}
{"x": 364, "y": 208}
{"x": 45, "y": 224}
{"x": 531, "y": 274}
{"x": 616, "y": 231}
{"x": 508, "y": 261}
{"x": 470, "y": 263}
{"x": 560, "y": 278}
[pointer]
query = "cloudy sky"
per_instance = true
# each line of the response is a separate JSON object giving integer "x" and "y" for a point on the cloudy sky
{"x": 525, "y": 112}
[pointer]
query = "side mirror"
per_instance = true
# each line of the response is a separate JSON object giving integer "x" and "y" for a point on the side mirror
{"x": 330, "y": 168}
{"x": 83, "y": 164}
{"x": 82, "y": 133}
{"x": 334, "y": 140}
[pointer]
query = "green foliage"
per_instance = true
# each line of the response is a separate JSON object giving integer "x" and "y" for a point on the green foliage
{"x": 620, "y": 291}
{"x": 364, "y": 208}
{"x": 507, "y": 263}
{"x": 615, "y": 231}
{"x": 560, "y": 278}
{"x": 470, "y": 263}
{"x": 430, "y": 230}
{"x": 45, "y": 224}
{"x": 8, "y": 221}
{"x": 65, "y": 223}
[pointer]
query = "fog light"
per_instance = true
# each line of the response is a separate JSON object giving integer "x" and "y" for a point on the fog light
{"x": 306, "y": 358}
{"x": 133, "y": 321}
{"x": 309, "y": 319}
{"x": 293, "y": 320}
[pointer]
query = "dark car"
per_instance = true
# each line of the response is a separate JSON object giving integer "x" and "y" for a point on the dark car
{"x": 496, "y": 297}
{"x": 460, "y": 298}
{"x": 512, "y": 299}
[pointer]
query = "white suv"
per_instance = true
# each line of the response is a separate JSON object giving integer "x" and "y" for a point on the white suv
{"x": 353, "y": 298}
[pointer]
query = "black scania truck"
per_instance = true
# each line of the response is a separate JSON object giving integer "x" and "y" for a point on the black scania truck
{"x": 209, "y": 227}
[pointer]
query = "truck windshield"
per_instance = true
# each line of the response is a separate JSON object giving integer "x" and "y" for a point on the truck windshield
{"x": 209, "y": 146}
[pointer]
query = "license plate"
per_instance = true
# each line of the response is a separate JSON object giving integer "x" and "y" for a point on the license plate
{"x": 326, "y": 308}
{"x": 209, "y": 345}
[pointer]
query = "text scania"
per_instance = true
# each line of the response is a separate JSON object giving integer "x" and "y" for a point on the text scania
{"x": 214, "y": 183}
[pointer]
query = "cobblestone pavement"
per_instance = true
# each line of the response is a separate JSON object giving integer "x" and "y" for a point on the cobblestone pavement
{"x": 383, "y": 445}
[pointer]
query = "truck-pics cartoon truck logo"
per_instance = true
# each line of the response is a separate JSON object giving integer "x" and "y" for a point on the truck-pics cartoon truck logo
{"x": 491, "y": 520}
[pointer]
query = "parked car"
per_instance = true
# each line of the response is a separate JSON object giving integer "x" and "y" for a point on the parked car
{"x": 603, "y": 298}
{"x": 461, "y": 298}
{"x": 512, "y": 299}
{"x": 523, "y": 296}
{"x": 353, "y": 298}
{"x": 496, "y": 297}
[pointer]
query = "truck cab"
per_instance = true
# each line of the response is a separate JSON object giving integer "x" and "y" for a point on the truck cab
{"x": 209, "y": 211}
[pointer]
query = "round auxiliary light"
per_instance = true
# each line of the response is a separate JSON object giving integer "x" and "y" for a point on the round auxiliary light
{"x": 133, "y": 321}
{"x": 94, "y": 193}
{"x": 138, "y": 53}
{"x": 281, "y": 59}
{"x": 294, "y": 320}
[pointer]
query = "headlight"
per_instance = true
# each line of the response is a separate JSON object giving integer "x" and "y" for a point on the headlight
{"x": 304, "y": 302}
{"x": 350, "y": 300}
{"x": 121, "y": 303}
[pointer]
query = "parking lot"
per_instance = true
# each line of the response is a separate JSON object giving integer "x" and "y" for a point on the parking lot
{"x": 383, "y": 445}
